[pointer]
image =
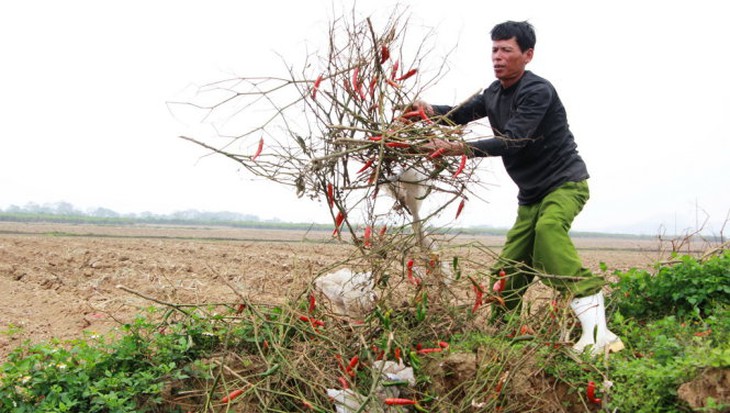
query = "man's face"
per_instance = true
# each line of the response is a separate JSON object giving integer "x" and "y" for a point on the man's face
{"x": 508, "y": 61}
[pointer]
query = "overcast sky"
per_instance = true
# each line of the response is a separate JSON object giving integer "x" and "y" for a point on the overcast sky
{"x": 84, "y": 87}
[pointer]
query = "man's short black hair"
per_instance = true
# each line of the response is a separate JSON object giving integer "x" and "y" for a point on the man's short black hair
{"x": 522, "y": 31}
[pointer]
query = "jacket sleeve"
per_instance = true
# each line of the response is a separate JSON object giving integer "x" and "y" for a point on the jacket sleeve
{"x": 471, "y": 110}
{"x": 530, "y": 108}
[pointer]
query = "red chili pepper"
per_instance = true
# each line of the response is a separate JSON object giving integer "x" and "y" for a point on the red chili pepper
{"x": 443, "y": 344}
{"x": 429, "y": 350}
{"x": 384, "y": 54}
{"x": 498, "y": 286}
{"x": 500, "y": 383}
{"x": 258, "y": 150}
{"x": 398, "y": 145}
{"x": 338, "y": 221}
{"x": 498, "y": 387}
{"x": 462, "y": 164}
{"x": 315, "y": 88}
{"x": 311, "y": 320}
{"x": 422, "y": 114}
{"x": 703, "y": 333}
{"x": 394, "y": 70}
{"x": 395, "y": 401}
{"x": 525, "y": 329}
{"x": 330, "y": 195}
{"x": 437, "y": 153}
{"x": 351, "y": 366}
{"x": 240, "y": 308}
{"x": 408, "y": 74}
{"x": 376, "y": 138}
{"x": 591, "y": 393}
{"x": 383, "y": 230}
{"x": 460, "y": 208}
{"x": 356, "y": 84}
{"x": 343, "y": 382}
{"x": 231, "y": 396}
{"x": 411, "y": 278}
{"x": 392, "y": 83}
{"x": 312, "y": 303}
{"x": 411, "y": 114}
{"x": 478, "y": 299}
{"x": 371, "y": 88}
{"x": 501, "y": 282}
{"x": 397, "y": 353}
{"x": 367, "y": 165}
{"x": 366, "y": 237}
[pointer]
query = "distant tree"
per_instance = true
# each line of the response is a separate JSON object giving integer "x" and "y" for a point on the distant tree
{"x": 14, "y": 209}
{"x": 32, "y": 208}
{"x": 64, "y": 208}
{"x": 188, "y": 214}
{"x": 105, "y": 213}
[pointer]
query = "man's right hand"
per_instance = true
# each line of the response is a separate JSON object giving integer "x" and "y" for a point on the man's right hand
{"x": 451, "y": 148}
{"x": 427, "y": 109}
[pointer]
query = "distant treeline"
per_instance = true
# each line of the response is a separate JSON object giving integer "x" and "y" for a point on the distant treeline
{"x": 65, "y": 209}
{"x": 154, "y": 220}
{"x": 64, "y": 212}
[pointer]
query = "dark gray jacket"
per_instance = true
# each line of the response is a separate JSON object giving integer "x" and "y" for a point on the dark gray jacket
{"x": 531, "y": 135}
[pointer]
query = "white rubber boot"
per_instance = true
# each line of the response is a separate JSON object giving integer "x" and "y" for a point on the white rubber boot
{"x": 591, "y": 311}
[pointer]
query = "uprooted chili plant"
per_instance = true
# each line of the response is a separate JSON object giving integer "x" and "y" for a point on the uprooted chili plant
{"x": 416, "y": 336}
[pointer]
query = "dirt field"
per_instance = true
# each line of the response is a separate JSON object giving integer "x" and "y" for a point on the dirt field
{"x": 60, "y": 280}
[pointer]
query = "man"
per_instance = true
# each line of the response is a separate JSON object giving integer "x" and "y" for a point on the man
{"x": 540, "y": 155}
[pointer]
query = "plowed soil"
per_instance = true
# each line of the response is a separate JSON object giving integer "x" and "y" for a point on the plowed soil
{"x": 62, "y": 280}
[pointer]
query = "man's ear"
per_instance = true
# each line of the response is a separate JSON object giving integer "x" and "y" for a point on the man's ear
{"x": 528, "y": 55}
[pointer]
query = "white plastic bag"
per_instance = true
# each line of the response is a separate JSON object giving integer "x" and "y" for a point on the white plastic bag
{"x": 350, "y": 293}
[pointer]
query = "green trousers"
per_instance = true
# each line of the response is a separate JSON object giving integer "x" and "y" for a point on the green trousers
{"x": 539, "y": 243}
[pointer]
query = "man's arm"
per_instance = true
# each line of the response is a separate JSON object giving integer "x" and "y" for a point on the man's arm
{"x": 523, "y": 125}
{"x": 468, "y": 111}
{"x": 472, "y": 109}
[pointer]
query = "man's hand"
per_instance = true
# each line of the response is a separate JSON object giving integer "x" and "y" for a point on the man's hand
{"x": 416, "y": 111}
{"x": 450, "y": 148}
{"x": 427, "y": 109}
{"x": 447, "y": 147}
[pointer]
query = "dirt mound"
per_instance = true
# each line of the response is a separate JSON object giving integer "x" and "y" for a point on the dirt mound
{"x": 712, "y": 384}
